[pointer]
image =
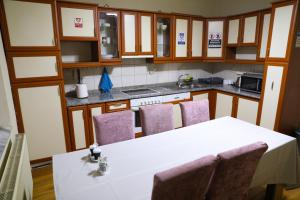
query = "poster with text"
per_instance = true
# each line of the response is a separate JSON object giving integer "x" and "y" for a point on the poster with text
{"x": 215, "y": 40}
{"x": 78, "y": 22}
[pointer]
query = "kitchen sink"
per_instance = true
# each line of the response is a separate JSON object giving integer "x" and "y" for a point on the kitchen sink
{"x": 143, "y": 91}
{"x": 176, "y": 87}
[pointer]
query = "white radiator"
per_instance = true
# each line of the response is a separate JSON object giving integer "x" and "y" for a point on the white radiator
{"x": 15, "y": 171}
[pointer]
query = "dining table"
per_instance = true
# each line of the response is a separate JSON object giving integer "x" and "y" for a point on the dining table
{"x": 132, "y": 164}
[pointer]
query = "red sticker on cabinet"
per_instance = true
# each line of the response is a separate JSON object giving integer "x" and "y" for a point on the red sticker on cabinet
{"x": 78, "y": 22}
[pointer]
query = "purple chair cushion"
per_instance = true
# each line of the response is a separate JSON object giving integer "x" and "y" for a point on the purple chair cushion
{"x": 194, "y": 112}
{"x": 114, "y": 127}
{"x": 234, "y": 172}
{"x": 189, "y": 181}
{"x": 156, "y": 118}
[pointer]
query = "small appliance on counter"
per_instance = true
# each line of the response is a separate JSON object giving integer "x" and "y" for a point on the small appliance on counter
{"x": 185, "y": 81}
{"x": 250, "y": 82}
{"x": 211, "y": 80}
{"x": 81, "y": 89}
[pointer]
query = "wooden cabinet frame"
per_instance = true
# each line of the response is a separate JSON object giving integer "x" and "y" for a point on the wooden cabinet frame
{"x": 71, "y": 126}
{"x": 90, "y": 119}
{"x": 263, "y": 13}
{"x": 291, "y": 33}
{"x": 140, "y": 14}
{"x": 6, "y": 39}
{"x": 11, "y": 68}
{"x": 191, "y": 57}
{"x": 239, "y": 31}
{"x": 108, "y": 104}
{"x": 211, "y": 99}
{"x": 244, "y": 16}
{"x": 188, "y": 38}
{"x": 163, "y": 59}
{"x": 78, "y": 6}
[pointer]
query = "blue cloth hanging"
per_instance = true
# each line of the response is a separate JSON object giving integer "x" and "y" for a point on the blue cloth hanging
{"x": 105, "y": 84}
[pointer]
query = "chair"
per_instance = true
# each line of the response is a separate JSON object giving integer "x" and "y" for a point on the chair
{"x": 234, "y": 172}
{"x": 194, "y": 112}
{"x": 189, "y": 181}
{"x": 114, "y": 127}
{"x": 156, "y": 118}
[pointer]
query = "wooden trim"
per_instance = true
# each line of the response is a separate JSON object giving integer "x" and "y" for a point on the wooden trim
{"x": 17, "y": 105}
{"x": 263, "y": 13}
{"x": 71, "y": 126}
{"x": 108, "y": 104}
{"x": 188, "y": 39}
{"x": 140, "y": 35}
{"x": 291, "y": 32}
{"x": 41, "y": 160}
{"x": 6, "y": 38}
{"x": 169, "y": 58}
{"x": 117, "y": 60}
{"x": 191, "y": 57}
{"x": 11, "y": 68}
{"x": 139, "y": 135}
{"x": 178, "y": 101}
{"x": 255, "y": 43}
{"x": 77, "y": 6}
{"x": 90, "y": 119}
{"x": 239, "y": 61}
{"x": 81, "y": 65}
{"x": 239, "y": 31}
{"x": 235, "y": 103}
{"x": 124, "y": 53}
{"x": 211, "y": 99}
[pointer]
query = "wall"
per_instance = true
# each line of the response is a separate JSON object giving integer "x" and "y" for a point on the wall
{"x": 7, "y": 111}
{"x": 196, "y": 7}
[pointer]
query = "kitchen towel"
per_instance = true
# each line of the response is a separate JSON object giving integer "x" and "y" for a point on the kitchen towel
{"x": 105, "y": 84}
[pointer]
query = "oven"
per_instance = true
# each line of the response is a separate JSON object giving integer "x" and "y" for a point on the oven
{"x": 251, "y": 82}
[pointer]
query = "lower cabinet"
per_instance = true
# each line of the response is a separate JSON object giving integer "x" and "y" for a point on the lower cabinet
{"x": 94, "y": 110}
{"x": 177, "y": 118}
{"x": 41, "y": 114}
{"x": 247, "y": 110}
{"x": 224, "y": 105}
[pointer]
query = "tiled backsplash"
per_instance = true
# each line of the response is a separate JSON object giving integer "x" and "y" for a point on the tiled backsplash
{"x": 138, "y": 72}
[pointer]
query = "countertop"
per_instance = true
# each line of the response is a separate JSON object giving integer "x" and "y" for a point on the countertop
{"x": 4, "y": 137}
{"x": 116, "y": 94}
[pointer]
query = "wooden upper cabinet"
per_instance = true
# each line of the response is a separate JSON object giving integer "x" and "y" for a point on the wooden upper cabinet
{"x": 233, "y": 24}
{"x": 163, "y": 37}
{"x": 264, "y": 34}
{"x": 197, "y": 36}
{"x": 28, "y": 30}
{"x": 137, "y": 33}
{"x": 250, "y": 29}
{"x": 282, "y": 26}
{"x": 181, "y": 38}
{"x": 214, "y": 48}
{"x": 110, "y": 35}
{"x": 77, "y": 21}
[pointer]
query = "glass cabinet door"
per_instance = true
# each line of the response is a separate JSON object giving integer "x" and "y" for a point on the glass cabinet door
{"x": 109, "y": 24}
{"x": 163, "y": 37}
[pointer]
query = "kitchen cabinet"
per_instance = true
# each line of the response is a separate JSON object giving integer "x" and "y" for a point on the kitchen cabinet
{"x": 224, "y": 105}
{"x": 117, "y": 106}
{"x": 215, "y": 39}
{"x": 196, "y": 42}
{"x": 177, "y": 117}
{"x": 137, "y": 34}
{"x": 163, "y": 37}
{"x": 110, "y": 38}
{"x": 282, "y": 25}
{"x": 233, "y": 24}
{"x": 28, "y": 30}
{"x": 264, "y": 34}
{"x": 247, "y": 110}
{"x": 250, "y": 29}
{"x": 41, "y": 115}
{"x": 181, "y": 46}
{"x": 77, "y": 21}
{"x": 34, "y": 66}
{"x": 271, "y": 94}
{"x": 94, "y": 110}
{"x": 79, "y": 130}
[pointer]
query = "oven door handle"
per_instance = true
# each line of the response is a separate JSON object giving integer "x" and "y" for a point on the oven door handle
{"x": 135, "y": 109}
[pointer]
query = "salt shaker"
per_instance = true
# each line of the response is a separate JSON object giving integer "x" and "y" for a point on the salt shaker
{"x": 103, "y": 166}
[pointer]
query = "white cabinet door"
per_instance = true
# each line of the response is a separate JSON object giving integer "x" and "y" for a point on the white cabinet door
{"x": 29, "y": 24}
{"x": 199, "y": 97}
{"x": 247, "y": 110}
{"x": 177, "y": 118}
{"x": 129, "y": 33}
{"x": 233, "y": 31}
{"x": 250, "y": 29}
{"x": 79, "y": 129}
{"x": 42, "y": 120}
{"x": 271, "y": 96}
{"x": 94, "y": 111}
{"x": 280, "y": 31}
{"x": 197, "y": 38}
{"x": 264, "y": 35}
{"x": 35, "y": 66}
{"x": 181, "y": 38}
{"x": 215, "y": 40}
{"x": 224, "y": 105}
{"x": 77, "y": 22}
{"x": 146, "y": 22}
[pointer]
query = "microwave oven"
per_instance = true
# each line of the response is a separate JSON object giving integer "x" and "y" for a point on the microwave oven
{"x": 251, "y": 82}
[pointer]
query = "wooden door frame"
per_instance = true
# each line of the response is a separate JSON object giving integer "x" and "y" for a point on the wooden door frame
{"x": 191, "y": 57}
{"x": 124, "y": 53}
{"x": 239, "y": 17}
{"x": 252, "y": 14}
{"x": 140, "y": 14}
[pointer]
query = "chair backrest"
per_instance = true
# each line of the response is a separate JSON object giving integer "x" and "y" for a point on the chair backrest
{"x": 234, "y": 172}
{"x": 194, "y": 112}
{"x": 114, "y": 127}
{"x": 156, "y": 118}
{"x": 189, "y": 181}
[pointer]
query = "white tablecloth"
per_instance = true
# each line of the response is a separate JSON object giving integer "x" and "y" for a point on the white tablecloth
{"x": 133, "y": 163}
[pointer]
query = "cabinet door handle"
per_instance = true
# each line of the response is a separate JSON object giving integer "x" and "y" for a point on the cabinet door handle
{"x": 272, "y": 86}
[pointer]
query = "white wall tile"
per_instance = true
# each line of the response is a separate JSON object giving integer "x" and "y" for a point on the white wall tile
{"x": 127, "y": 81}
{"x": 127, "y": 70}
